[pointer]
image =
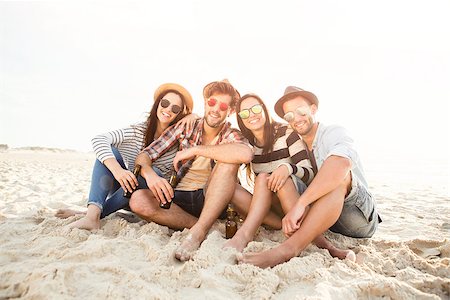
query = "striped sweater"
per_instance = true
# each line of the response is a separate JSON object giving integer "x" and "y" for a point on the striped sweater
{"x": 288, "y": 149}
{"x": 130, "y": 142}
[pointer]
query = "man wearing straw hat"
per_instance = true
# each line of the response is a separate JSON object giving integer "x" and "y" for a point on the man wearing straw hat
{"x": 210, "y": 153}
{"x": 338, "y": 197}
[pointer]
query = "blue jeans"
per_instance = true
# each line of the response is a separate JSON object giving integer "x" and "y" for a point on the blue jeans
{"x": 106, "y": 192}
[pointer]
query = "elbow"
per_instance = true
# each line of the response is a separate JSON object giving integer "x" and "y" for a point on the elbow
{"x": 345, "y": 164}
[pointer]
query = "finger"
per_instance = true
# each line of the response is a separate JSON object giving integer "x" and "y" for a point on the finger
{"x": 269, "y": 182}
{"x": 188, "y": 126}
{"x": 279, "y": 185}
{"x": 155, "y": 193}
{"x": 161, "y": 197}
{"x": 176, "y": 163}
{"x": 170, "y": 189}
{"x": 135, "y": 180}
{"x": 166, "y": 192}
{"x": 122, "y": 185}
{"x": 131, "y": 180}
{"x": 127, "y": 184}
{"x": 273, "y": 184}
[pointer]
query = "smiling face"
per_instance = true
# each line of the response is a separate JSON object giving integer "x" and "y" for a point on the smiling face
{"x": 300, "y": 114}
{"x": 217, "y": 109}
{"x": 252, "y": 108}
{"x": 167, "y": 114}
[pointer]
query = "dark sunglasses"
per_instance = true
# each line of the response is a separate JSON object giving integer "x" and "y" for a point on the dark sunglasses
{"x": 222, "y": 106}
{"x": 245, "y": 113}
{"x": 165, "y": 103}
{"x": 290, "y": 115}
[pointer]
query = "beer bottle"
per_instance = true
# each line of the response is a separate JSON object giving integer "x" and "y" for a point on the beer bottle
{"x": 230, "y": 223}
{"x": 173, "y": 181}
{"x": 136, "y": 171}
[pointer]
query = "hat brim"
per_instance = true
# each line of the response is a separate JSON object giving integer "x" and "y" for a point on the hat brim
{"x": 164, "y": 88}
{"x": 305, "y": 94}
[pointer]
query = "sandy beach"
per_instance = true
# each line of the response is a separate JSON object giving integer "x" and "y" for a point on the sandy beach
{"x": 408, "y": 258}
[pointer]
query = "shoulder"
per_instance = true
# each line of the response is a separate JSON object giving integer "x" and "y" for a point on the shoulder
{"x": 280, "y": 129}
{"x": 231, "y": 134}
{"x": 334, "y": 131}
{"x": 285, "y": 132}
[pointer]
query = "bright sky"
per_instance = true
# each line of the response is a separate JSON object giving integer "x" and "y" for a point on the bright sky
{"x": 71, "y": 70}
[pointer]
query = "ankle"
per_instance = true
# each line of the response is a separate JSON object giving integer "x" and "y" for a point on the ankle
{"x": 287, "y": 252}
{"x": 93, "y": 212}
{"x": 197, "y": 233}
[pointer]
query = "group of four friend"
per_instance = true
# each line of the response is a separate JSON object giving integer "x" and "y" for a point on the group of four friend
{"x": 306, "y": 177}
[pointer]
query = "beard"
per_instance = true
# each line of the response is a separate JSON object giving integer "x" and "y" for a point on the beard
{"x": 307, "y": 127}
{"x": 214, "y": 124}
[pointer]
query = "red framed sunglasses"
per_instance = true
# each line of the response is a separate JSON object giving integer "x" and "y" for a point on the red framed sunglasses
{"x": 222, "y": 106}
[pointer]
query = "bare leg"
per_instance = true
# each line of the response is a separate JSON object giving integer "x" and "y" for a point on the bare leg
{"x": 218, "y": 194}
{"x": 90, "y": 221}
{"x": 322, "y": 215}
{"x": 64, "y": 213}
{"x": 242, "y": 200}
{"x": 146, "y": 206}
{"x": 288, "y": 195}
{"x": 260, "y": 206}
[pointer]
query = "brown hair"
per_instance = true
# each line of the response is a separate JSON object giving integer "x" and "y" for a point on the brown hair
{"x": 152, "y": 120}
{"x": 222, "y": 87}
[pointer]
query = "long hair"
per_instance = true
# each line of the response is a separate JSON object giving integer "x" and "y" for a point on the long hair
{"x": 152, "y": 120}
{"x": 269, "y": 125}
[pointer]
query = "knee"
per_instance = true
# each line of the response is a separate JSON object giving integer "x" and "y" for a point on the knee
{"x": 140, "y": 203}
{"x": 224, "y": 169}
{"x": 261, "y": 178}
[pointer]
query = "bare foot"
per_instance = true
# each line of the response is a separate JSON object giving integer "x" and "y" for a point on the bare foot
{"x": 343, "y": 254}
{"x": 187, "y": 248}
{"x": 86, "y": 223}
{"x": 238, "y": 242}
{"x": 265, "y": 259}
{"x": 65, "y": 213}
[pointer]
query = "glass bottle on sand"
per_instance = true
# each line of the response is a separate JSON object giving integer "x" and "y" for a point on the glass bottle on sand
{"x": 230, "y": 223}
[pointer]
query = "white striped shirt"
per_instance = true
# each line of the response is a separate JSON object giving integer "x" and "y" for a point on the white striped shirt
{"x": 130, "y": 142}
{"x": 288, "y": 149}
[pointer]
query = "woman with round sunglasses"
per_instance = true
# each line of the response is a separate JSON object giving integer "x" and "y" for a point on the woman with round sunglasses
{"x": 117, "y": 150}
{"x": 281, "y": 168}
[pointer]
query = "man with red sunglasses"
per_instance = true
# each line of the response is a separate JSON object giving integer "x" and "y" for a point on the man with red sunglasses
{"x": 210, "y": 155}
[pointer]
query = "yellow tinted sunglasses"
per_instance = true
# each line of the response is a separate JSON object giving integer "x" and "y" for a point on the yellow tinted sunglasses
{"x": 245, "y": 113}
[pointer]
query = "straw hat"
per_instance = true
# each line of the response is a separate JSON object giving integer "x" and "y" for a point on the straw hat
{"x": 166, "y": 87}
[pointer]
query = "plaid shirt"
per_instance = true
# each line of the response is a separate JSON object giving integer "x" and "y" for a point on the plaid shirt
{"x": 190, "y": 139}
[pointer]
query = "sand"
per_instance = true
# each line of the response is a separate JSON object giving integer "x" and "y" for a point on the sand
{"x": 408, "y": 258}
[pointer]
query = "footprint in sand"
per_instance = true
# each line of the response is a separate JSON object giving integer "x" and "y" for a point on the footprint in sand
{"x": 428, "y": 249}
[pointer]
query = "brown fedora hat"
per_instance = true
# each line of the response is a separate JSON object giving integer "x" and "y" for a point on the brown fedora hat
{"x": 166, "y": 87}
{"x": 291, "y": 92}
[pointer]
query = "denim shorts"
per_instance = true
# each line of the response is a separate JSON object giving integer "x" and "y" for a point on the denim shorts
{"x": 359, "y": 217}
{"x": 192, "y": 202}
{"x": 300, "y": 186}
